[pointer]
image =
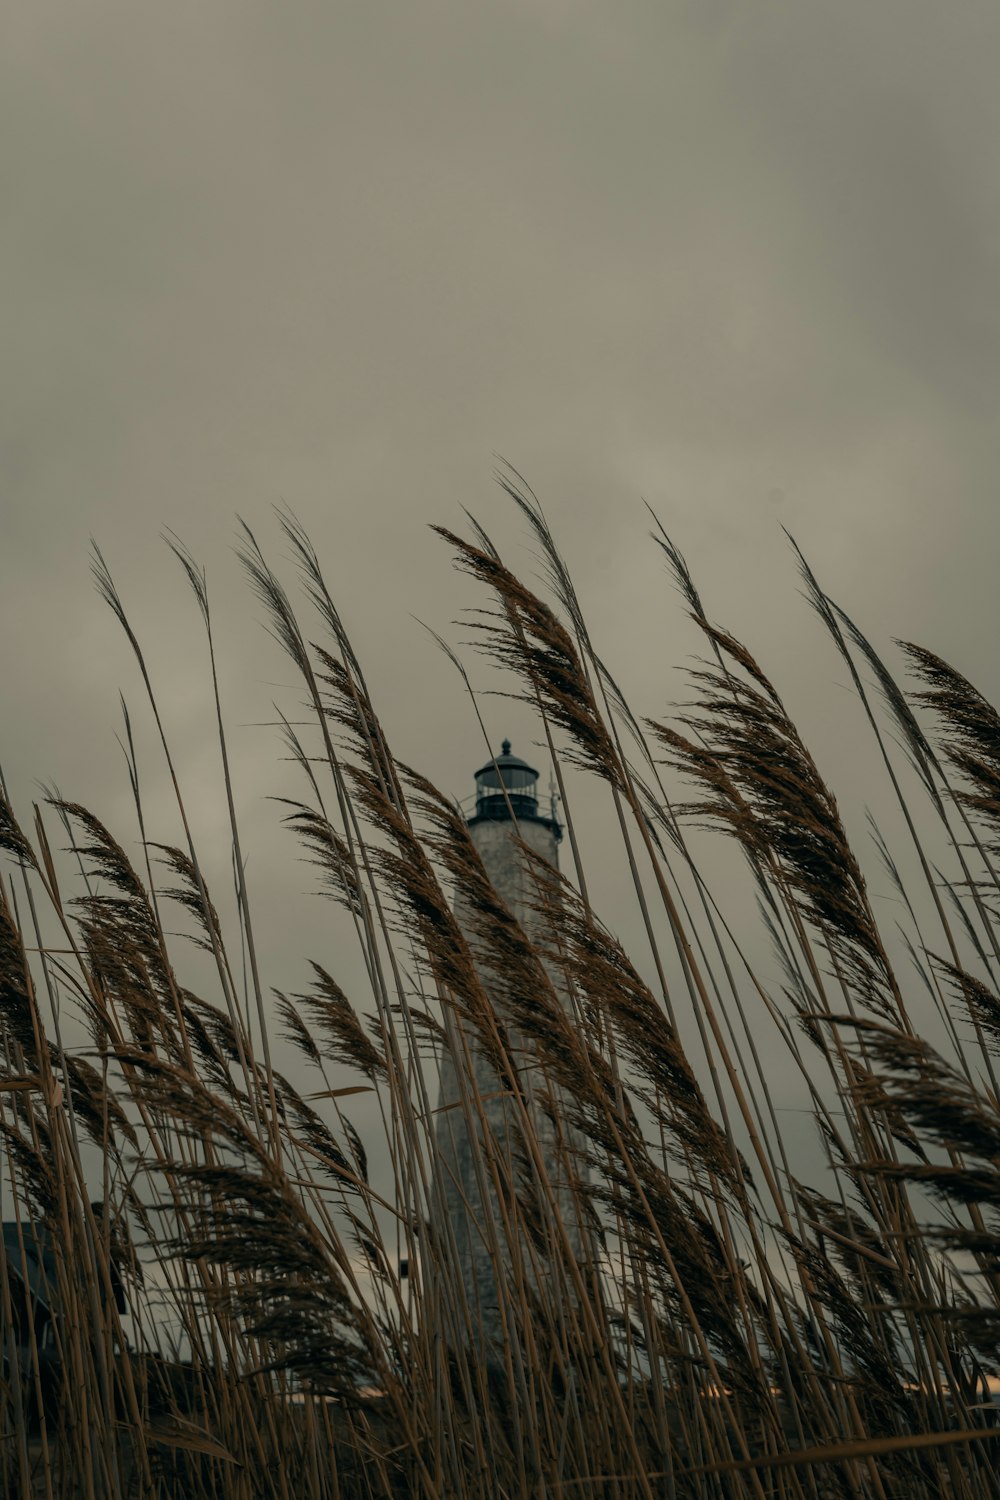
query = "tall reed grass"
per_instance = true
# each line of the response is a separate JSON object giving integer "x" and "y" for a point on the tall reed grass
{"x": 722, "y": 1329}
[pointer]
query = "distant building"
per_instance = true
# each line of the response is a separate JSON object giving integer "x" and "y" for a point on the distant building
{"x": 506, "y": 811}
{"x": 31, "y": 1278}
{"x": 29, "y": 1267}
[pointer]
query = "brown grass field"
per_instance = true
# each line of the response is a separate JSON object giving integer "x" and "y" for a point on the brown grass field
{"x": 729, "y": 1330}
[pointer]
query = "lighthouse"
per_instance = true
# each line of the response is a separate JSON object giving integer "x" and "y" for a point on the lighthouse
{"x": 506, "y": 816}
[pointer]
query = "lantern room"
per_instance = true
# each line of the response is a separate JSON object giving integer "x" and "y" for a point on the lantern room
{"x": 507, "y": 789}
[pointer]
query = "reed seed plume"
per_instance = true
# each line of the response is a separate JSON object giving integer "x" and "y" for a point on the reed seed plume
{"x": 332, "y": 1014}
{"x": 766, "y": 790}
{"x": 970, "y": 728}
{"x": 532, "y": 641}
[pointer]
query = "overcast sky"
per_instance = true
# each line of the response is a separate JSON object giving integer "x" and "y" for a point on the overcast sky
{"x": 738, "y": 259}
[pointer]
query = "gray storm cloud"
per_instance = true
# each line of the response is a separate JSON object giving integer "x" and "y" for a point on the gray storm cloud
{"x": 738, "y": 259}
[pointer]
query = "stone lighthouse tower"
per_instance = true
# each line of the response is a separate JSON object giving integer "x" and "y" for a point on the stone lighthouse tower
{"x": 506, "y": 813}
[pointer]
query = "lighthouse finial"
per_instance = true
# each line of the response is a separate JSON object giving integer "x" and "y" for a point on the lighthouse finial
{"x": 505, "y": 748}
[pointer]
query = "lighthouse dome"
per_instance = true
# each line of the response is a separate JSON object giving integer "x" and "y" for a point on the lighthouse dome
{"x": 507, "y": 787}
